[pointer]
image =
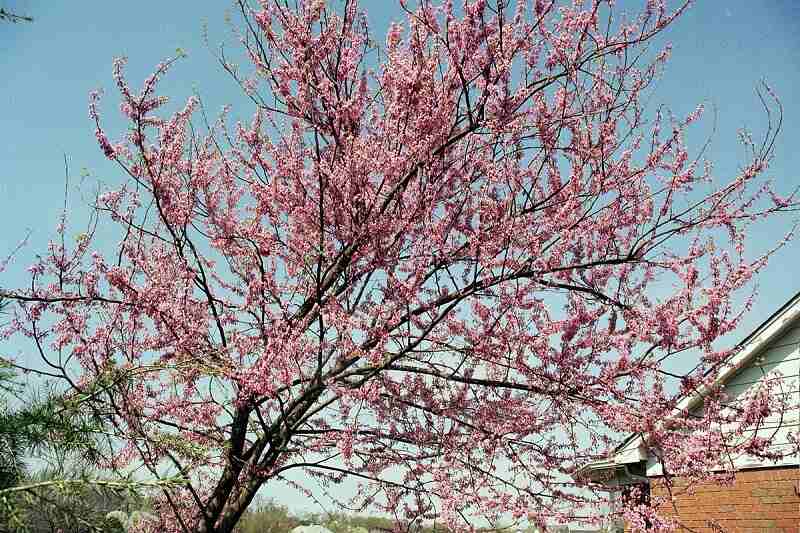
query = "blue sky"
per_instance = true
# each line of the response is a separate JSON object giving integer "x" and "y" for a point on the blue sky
{"x": 721, "y": 49}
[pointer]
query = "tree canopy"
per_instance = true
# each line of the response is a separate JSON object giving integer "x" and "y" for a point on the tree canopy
{"x": 452, "y": 266}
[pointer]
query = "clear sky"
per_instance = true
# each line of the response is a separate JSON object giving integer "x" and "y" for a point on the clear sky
{"x": 721, "y": 49}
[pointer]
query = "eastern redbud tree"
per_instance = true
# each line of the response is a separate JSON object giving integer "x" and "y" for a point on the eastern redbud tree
{"x": 452, "y": 266}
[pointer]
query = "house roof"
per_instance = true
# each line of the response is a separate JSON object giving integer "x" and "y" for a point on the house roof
{"x": 746, "y": 350}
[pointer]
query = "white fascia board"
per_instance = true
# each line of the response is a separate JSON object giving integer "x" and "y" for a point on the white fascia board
{"x": 769, "y": 332}
{"x": 634, "y": 452}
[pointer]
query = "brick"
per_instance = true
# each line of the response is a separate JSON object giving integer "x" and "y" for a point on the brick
{"x": 758, "y": 501}
{"x": 789, "y": 526}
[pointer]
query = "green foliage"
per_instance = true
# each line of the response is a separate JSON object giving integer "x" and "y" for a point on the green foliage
{"x": 80, "y": 500}
{"x": 12, "y": 436}
{"x": 343, "y": 523}
{"x": 40, "y": 424}
{"x": 73, "y": 502}
{"x": 271, "y": 517}
{"x": 45, "y": 423}
{"x": 268, "y": 517}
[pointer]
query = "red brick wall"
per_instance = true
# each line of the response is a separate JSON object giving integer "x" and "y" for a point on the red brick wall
{"x": 759, "y": 501}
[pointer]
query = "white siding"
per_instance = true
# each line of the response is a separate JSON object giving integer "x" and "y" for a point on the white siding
{"x": 778, "y": 364}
